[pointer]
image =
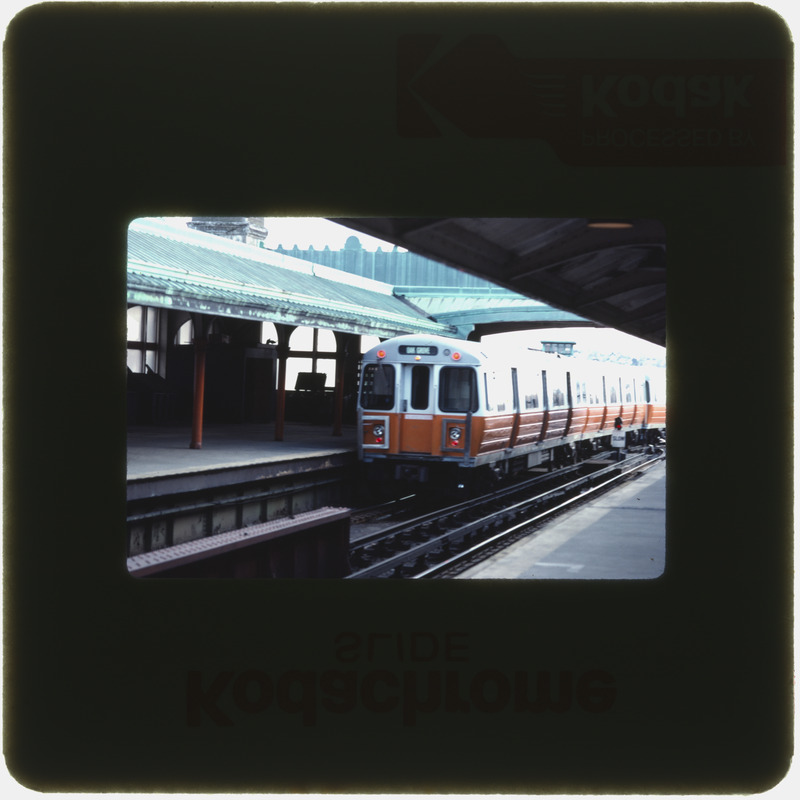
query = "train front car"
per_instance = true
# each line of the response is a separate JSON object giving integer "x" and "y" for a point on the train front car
{"x": 457, "y": 414}
{"x": 417, "y": 399}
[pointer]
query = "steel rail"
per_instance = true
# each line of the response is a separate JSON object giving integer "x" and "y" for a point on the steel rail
{"x": 465, "y": 505}
{"x": 416, "y": 552}
{"x": 487, "y": 543}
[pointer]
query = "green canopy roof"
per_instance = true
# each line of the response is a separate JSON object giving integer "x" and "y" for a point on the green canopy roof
{"x": 185, "y": 269}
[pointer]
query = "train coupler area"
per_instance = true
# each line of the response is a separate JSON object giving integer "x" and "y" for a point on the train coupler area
{"x": 415, "y": 473}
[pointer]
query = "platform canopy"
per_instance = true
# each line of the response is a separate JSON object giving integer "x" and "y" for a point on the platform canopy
{"x": 476, "y": 312}
{"x": 189, "y": 270}
{"x": 611, "y": 271}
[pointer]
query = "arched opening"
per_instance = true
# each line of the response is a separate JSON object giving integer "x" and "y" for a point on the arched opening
{"x": 144, "y": 325}
{"x": 312, "y": 352}
{"x": 269, "y": 333}
{"x": 368, "y": 342}
{"x": 185, "y": 334}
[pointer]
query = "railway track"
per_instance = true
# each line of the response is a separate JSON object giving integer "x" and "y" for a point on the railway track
{"x": 444, "y": 542}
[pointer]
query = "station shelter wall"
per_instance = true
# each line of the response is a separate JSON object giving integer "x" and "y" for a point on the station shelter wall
{"x": 241, "y": 371}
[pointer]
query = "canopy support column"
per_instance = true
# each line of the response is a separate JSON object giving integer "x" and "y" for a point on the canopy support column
{"x": 280, "y": 405}
{"x": 200, "y": 347}
{"x": 347, "y": 350}
{"x": 284, "y": 333}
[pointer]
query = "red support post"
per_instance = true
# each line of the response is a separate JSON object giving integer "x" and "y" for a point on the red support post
{"x": 338, "y": 394}
{"x": 280, "y": 410}
{"x": 199, "y": 392}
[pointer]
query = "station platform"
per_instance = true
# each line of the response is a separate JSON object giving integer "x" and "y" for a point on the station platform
{"x": 240, "y": 478}
{"x": 154, "y": 451}
{"x": 160, "y": 461}
{"x": 620, "y": 535}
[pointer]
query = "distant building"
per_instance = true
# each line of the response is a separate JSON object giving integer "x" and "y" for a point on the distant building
{"x": 396, "y": 267}
{"x": 250, "y": 230}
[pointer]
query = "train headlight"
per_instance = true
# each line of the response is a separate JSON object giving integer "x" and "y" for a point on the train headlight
{"x": 455, "y": 435}
{"x": 378, "y": 431}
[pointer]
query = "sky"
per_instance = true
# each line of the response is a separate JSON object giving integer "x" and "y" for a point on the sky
{"x": 306, "y": 232}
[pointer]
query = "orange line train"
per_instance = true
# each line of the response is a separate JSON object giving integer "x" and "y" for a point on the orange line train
{"x": 450, "y": 411}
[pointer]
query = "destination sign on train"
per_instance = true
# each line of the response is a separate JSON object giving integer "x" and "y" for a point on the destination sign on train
{"x": 418, "y": 350}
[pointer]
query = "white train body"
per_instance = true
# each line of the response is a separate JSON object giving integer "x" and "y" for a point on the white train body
{"x": 426, "y": 402}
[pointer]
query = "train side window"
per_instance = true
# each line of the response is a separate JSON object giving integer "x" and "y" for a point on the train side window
{"x": 458, "y": 390}
{"x": 377, "y": 387}
{"x": 558, "y": 396}
{"x": 628, "y": 393}
{"x": 532, "y": 400}
{"x": 529, "y": 382}
{"x": 503, "y": 390}
{"x": 576, "y": 391}
{"x": 420, "y": 386}
{"x": 612, "y": 394}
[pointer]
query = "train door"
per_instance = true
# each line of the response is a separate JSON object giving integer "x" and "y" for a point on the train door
{"x": 613, "y": 392}
{"x": 570, "y": 406}
{"x": 416, "y": 404}
{"x": 546, "y": 403}
{"x": 656, "y": 409}
{"x": 557, "y": 409}
{"x": 628, "y": 397}
{"x": 606, "y": 417}
{"x": 516, "y": 410}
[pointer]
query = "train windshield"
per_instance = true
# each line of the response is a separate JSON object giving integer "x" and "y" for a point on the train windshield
{"x": 458, "y": 390}
{"x": 377, "y": 387}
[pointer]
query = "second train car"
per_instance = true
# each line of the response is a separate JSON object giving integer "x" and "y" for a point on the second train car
{"x": 455, "y": 412}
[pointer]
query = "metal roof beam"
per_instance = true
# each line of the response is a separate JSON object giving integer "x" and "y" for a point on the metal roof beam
{"x": 526, "y": 267}
{"x": 616, "y": 287}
